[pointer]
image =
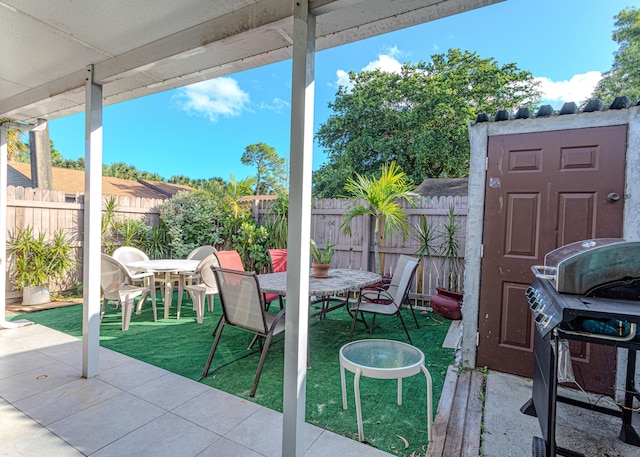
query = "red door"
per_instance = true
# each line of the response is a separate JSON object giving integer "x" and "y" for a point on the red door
{"x": 544, "y": 190}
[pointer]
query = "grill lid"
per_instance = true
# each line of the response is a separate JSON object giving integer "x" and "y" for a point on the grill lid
{"x": 579, "y": 267}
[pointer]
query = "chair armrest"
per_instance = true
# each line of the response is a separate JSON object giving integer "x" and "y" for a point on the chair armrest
{"x": 379, "y": 296}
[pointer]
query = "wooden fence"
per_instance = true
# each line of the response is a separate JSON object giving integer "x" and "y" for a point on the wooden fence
{"x": 357, "y": 250}
{"x": 47, "y": 211}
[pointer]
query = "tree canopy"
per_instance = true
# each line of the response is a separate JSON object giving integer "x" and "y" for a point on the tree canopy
{"x": 624, "y": 76}
{"x": 417, "y": 118}
{"x": 270, "y": 167}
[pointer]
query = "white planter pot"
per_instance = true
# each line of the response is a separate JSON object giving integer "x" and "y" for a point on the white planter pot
{"x": 35, "y": 295}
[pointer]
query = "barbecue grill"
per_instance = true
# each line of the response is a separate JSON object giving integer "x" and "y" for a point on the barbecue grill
{"x": 586, "y": 291}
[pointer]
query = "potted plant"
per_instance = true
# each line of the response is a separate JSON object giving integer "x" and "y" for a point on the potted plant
{"x": 38, "y": 262}
{"x": 448, "y": 300}
{"x": 321, "y": 259}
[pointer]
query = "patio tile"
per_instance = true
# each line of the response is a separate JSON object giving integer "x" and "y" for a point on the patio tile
{"x": 39, "y": 336}
{"x": 225, "y": 448}
{"x": 39, "y": 442}
{"x": 21, "y": 361}
{"x": 168, "y": 435}
{"x": 263, "y": 431}
{"x": 130, "y": 374}
{"x": 9, "y": 345}
{"x": 15, "y": 424}
{"x": 217, "y": 411}
{"x": 169, "y": 390}
{"x": 45, "y": 377}
{"x": 333, "y": 444}
{"x": 67, "y": 399}
{"x": 100, "y": 425}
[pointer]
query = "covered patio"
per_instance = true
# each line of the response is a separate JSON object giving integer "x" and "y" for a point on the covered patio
{"x": 130, "y": 408}
{"x": 79, "y": 58}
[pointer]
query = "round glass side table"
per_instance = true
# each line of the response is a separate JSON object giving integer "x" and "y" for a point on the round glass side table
{"x": 382, "y": 359}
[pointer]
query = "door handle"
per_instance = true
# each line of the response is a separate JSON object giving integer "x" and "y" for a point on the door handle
{"x": 613, "y": 197}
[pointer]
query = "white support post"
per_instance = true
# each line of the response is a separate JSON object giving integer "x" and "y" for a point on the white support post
{"x": 3, "y": 229}
{"x": 297, "y": 319}
{"x": 92, "y": 222}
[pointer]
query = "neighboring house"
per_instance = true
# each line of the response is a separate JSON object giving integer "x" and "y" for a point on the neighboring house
{"x": 72, "y": 182}
{"x": 436, "y": 187}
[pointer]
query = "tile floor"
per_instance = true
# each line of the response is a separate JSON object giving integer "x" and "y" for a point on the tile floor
{"x": 130, "y": 409}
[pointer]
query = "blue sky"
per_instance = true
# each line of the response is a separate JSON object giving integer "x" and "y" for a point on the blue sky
{"x": 201, "y": 131}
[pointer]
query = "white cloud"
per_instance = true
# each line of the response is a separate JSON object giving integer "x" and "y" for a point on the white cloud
{"x": 385, "y": 62}
{"x": 214, "y": 98}
{"x": 577, "y": 89}
{"x": 277, "y": 105}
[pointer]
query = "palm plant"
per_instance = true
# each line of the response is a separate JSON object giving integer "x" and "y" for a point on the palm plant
{"x": 38, "y": 261}
{"x": 15, "y": 147}
{"x": 278, "y": 225}
{"x": 450, "y": 249}
{"x": 380, "y": 198}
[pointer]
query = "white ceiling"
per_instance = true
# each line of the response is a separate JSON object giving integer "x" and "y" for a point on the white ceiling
{"x": 140, "y": 47}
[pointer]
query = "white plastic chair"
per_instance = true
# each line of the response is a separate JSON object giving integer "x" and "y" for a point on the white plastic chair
{"x": 184, "y": 279}
{"x": 207, "y": 287}
{"x": 141, "y": 278}
{"x": 115, "y": 282}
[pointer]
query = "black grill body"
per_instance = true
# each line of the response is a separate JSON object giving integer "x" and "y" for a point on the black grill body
{"x": 558, "y": 316}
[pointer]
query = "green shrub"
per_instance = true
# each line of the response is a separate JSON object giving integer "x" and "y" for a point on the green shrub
{"x": 251, "y": 242}
{"x": 192, "y": 219}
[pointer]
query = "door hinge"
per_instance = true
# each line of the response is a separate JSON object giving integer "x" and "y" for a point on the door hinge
{"x": 486, "y": 163}
{"x": 477, "y": 339}
{"x": 482, "y": 251}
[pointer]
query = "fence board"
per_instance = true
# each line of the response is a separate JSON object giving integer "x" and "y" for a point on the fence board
{"x": 49, "y": 211}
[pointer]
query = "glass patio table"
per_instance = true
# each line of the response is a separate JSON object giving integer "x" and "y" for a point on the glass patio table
{"x": 382, "y": 359}
{"x": 166, "y": 267}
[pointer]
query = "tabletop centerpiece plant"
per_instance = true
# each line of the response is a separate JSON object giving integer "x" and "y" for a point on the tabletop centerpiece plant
{"x": 38, "y": 262}
{"x": 321, "y": 258}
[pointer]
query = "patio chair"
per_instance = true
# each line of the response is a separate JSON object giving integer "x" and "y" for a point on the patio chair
{"x": 199, "y": 253}
{"x": 278, "y": 258}
{"x": 116, "y": 284}
{"x": 243, "y": 308}
{"x": 388, "y": 301}
{"x": 391, "y": 284}
{"x": 207, "y": 287}
{"x": 232, "y": 260}
{"x": 128, "y": 254}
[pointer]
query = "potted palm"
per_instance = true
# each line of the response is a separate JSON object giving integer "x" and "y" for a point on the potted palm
{"x": 37, "y": 262}
{"x": 448, "y": 300}
{"x": 321, "y": 259}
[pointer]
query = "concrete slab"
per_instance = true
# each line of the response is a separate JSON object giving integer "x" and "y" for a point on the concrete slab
{"x": 509, "y": 433}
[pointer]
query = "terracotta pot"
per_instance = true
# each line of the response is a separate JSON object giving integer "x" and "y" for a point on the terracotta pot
{"x": 447, "y": 303}
{"x": 320, "y": 270}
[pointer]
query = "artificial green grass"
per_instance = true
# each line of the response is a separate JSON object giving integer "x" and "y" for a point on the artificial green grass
{"x": 182, "y": 346}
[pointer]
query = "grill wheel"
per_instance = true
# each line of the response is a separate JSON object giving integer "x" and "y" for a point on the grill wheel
{"x": 538, "y": 447}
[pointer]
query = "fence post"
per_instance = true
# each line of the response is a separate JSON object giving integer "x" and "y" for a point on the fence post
{"x": 366, "y": 241}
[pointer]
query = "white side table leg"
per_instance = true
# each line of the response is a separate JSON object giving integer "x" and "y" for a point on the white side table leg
{"x": 429, "y": 401}
{"x": 356, "y": 390}
{"x": 399, "y": 391}
{"x": 344, "y": 387}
